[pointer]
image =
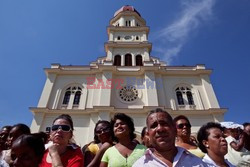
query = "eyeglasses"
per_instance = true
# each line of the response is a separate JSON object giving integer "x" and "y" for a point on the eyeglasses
{"x": 181, "y": 126}
{"x": 65, "y": 128}
{"x": 104, "y": 130}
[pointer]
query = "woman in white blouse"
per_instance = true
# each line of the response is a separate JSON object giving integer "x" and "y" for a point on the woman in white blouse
{"x": 212, "y": 142}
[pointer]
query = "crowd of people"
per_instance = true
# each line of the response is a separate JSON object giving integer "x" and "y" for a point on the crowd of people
{"x": 164, "y": 142}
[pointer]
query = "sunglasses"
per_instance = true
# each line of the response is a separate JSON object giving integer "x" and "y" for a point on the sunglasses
{"x": 181, "y": 126}
{"x": 104, "y": 130}
{"x": 65, "y": 128}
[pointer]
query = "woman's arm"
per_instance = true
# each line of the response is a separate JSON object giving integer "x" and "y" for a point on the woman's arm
{"x": 103, "y": 164}
{"x": 55, "y": 156}
{"x": 97, "y": 159}
{"x": 240, "y": 145}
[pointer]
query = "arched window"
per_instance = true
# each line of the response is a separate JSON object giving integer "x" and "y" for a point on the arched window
{"x": 117, "y": 60}
{"x": 184, "y": 94}
{"x": 179, "y": 98}
{"x": 128, "y": 60}
{"x": 190, "y": 98}
{"x": 66, "y": 97}
{"x": 74, "y": 92}
{"x": 77, "y": 98}
{"x": 128, "y": 23}
{"x": 138, "y": 60}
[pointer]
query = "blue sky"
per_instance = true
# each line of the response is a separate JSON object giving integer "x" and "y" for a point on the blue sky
{"x": 34, "y": 34}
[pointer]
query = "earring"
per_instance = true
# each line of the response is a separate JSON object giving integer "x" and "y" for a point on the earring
{"x": 207, "y": 146}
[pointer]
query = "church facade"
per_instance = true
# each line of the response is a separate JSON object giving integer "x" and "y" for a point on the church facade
{"x": 128, "y": 80}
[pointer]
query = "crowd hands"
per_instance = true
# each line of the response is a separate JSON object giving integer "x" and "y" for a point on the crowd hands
{"x": 164, "y": 142}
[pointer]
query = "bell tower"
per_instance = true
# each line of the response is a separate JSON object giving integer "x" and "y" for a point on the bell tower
{"x": 127, "y": 43}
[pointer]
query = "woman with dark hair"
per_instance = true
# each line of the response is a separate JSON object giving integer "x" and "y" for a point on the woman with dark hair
{"x": 103, "y": 139}
{"x": 62, "y": 153}
{"x": 247, "y": 132}
{"x": 4, "y": 133}
{"x": 212, "y": 142}
{"x": 126, "y": 151}
{"x": 183, "y": 138}
{"x": 27, "y": 151}
{"x": 16, "y": 131}
{"x": 145, "y": 138}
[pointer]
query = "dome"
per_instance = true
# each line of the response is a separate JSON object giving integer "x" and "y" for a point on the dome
{"x": 126, "y": 8}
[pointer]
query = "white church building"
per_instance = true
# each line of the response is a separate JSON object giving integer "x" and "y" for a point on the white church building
{"x": 128, "y": 80}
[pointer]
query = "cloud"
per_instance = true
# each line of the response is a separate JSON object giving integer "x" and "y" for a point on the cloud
{"x": 173, "y": 37}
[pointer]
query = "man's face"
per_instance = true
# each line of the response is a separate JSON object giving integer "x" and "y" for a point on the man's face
{"x": 161, "y": 131}
{"x": 3, "y": 137}
{"x": 247, "y": 130}
{"x": 13, "y": 135}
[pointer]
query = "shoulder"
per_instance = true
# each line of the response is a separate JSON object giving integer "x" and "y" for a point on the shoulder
{"x": 146, "y": 160}
{"x": 74, "y": 152}
{"x": 93, "y": 147}
{"x": 106, "y": 145}
{"x": 141, "y": 146}
{"x": 73, "y": 157}
{"x": 139, "y": 162}
{"x": 197, "y": 152}
{"x": 185, "y": 157}
{"x": 208, "y": 161}
{"x": 109, "y": 153}
{"x": 140, "y": 149}
{"x": 111, "y": 149}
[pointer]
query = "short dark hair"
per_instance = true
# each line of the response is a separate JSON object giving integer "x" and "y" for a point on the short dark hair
{"x": 96, "y": 139}
{"x": 41, "y": 135}
{"x": 143, "y": 132}
{"x": 181, "y": 117}
{"x": 66, "y": 117}
{"x": 246, "y": 124}
{"x": 203, "y": 134}
{"x": 22, "y": 127}
{"x": 159, "y": 110}
{"x": 7, "y": 127}
{"x": 128, "y": 120}
{"x": 33, "y": 142}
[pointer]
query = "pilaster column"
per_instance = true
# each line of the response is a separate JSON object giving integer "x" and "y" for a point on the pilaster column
{"x": 44, "y": 99}
{"x": 151, "y": 92}
{"x": 209, "y": 92}
{"x": 37, "y": 122}
{"x": 105, "y": 90}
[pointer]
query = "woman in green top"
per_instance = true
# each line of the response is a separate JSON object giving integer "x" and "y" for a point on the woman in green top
{"x": 126, "y": 151}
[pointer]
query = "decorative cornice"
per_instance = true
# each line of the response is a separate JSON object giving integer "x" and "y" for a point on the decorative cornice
{"x": 122, "y": 70}
{"x": 112, "y": 109}
{"x": 128, "y": 29}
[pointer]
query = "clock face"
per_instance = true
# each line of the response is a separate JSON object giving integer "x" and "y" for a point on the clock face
{"x": 127, "y": 37}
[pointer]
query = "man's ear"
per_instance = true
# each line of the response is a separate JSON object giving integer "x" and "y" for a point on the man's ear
{"x": 205, "y": 143}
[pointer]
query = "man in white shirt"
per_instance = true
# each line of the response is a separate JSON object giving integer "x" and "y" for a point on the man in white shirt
{"x": 162, "y": 133}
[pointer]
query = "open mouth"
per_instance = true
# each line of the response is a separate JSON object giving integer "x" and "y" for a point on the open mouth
{"x": 120, "y": 130}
